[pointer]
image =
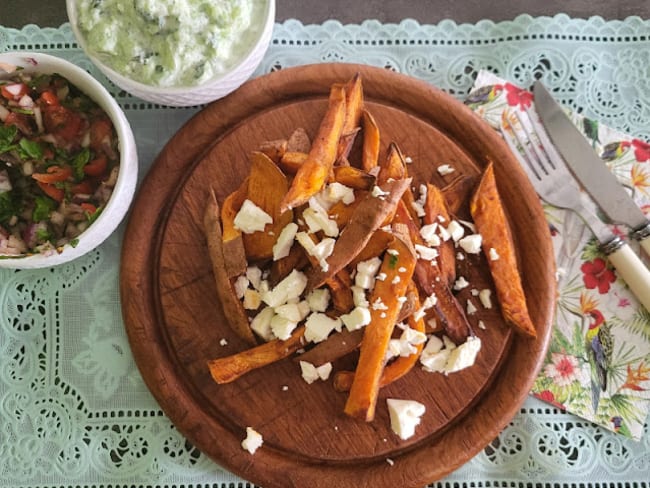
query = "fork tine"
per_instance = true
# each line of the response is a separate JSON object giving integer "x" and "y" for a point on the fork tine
{"x": 518, "y": 148}
{"x": 553, "y": 155}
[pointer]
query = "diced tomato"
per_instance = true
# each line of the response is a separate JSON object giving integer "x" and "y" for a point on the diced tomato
{"x": 89, "y": 207}
{"x": 84, "y": 187}
{"x": 52, "y": 191}
{"x": 21, "y": 121}
{"x": 14, "y": 91}
{"x": 101, "y": 131}
{"x": 96, "y": 167}
{"x": 62, "y": 122}
{"x": 54, "y": 174}
{"x": 49, "y": 97}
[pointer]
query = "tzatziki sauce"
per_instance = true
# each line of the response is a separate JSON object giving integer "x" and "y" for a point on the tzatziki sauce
{"x": 170, "y": 43}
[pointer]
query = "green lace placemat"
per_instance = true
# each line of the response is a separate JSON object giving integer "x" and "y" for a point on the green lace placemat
{"x": 74, "y": 411}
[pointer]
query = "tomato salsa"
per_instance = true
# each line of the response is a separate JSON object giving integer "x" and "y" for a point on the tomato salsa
{"x": 59, "y": 162}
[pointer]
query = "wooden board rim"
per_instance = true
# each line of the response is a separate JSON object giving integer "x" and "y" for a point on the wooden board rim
{"x": 430, "y": 461}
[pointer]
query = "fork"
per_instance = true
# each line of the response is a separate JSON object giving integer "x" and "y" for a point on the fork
{"x": 555, "y": 184}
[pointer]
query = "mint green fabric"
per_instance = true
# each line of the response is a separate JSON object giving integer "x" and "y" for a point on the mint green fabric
{"x": 73, "y": 408}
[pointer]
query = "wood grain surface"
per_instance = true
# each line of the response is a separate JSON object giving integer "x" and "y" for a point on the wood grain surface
{"x": 175, "y": 322}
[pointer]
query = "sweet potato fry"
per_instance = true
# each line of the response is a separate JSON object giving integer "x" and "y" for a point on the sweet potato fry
{"x": 280, "y": 269}
{"x": 229, "y": 368}
{"x": 449, "y": 314}
{"x": 313, "y": 173}
{"x": 371, "y": 141}
{"x": 232, "y": 307}
{"x": 399, "y": 261}
{"x": 393, "y": 166}
{"x": 394, "y": 370}
{"x": 375, "y": 246}
{"x": 233, "y": 243}
{"x": 367, "y": 217}
{"x": 457, "y": 194}
{"x": 353, "y": 104}
{"x": 345, "y": 146}
{"x": 291, "y": 161}
{"x": 266, "y": 188}
{"x": 490, "y": 219}
{"x": 435, "y": 208}
{"x": 354, "y": 177}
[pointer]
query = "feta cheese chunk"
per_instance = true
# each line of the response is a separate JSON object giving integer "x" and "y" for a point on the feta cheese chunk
{"x": 464, "y": 355}
{"x": 455, "y": 230}
{"x": 251, "y": 218}
{"x": 493, "y": 254}
{"x": 317, "y": 218}
{"x": 445, "y": 169}
{"x": 282, "y": 327}
{"x": 471, "y": 244}
{"x": 261, "y": 323}
{"x": 253, "y": 440}
{"x": 366, "y": 271}
{"x": 311, "y": 373}
{"x": 357, "y": 318}
{"x": 285, "y": 240}
{"x": 290, "y": 287}
{"x": 405, "y": 415}
{"x": 318, "y": 326}
{"x": 484, "y": 295}
{"x": 429, "y": 234}
{"x": 319, "y": 299}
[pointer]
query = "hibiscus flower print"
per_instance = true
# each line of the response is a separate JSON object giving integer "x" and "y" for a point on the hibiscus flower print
{"x": 641, "y": 150}
{"x": 563, "y": 369}
{"x": 549, "y": 397}
{"x": 518, "y": 97}
{"x": 596, "y": 274}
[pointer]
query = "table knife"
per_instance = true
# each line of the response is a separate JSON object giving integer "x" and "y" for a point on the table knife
{"x": 589, "y": 169}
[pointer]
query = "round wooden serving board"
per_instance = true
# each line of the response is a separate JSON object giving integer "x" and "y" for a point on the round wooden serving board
{"x": 175, "y": 322}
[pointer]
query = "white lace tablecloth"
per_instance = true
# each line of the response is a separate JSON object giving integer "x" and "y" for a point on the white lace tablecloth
{"x": 74, "y": 411}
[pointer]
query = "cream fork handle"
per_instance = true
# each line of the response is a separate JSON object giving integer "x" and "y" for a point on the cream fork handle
{"x": 645, "y": 244}
{"x": 633, "y": 271}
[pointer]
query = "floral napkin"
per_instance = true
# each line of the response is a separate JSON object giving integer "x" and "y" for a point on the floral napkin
{"x": 598, "y": 363}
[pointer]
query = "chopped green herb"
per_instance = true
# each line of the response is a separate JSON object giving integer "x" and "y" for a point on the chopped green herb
{"x": 30, "y": 149}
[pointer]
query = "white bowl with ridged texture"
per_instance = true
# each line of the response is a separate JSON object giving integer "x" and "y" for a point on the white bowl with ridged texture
{"x": 184, "y": 96}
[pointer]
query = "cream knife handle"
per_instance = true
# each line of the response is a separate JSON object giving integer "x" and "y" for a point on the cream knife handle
{"x": 633, "y": 271}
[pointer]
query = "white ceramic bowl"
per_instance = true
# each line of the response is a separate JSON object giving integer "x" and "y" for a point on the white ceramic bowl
{"x": 124, "y": 189}
{"x": 184, "y": 96}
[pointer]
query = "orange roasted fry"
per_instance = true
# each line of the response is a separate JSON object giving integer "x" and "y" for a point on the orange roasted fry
{"x": 457, "y": 194}
{"x": 490, "y": 219}
{"x": 233, "y": 243}
{"x": 291, "y": 161}
{"x": 399, "y": 261}
{"x": 266, "y": 188}
{"x": 371, "y": 141}
{"x": 354, "y": 177}
{"x": 397, "y": 368}
{"x": 393, "y": 166}
{"x": 229, "y": 368}
{"x": 314, "y": 172}
{"x": 435, "y": 211}
{"x": 232, "y": 307}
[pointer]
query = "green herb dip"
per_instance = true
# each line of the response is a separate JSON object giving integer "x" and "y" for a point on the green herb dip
{"x": 170, "y": 42}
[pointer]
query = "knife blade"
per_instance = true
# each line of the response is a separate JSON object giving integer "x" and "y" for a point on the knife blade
{"x": 589, "y": 169}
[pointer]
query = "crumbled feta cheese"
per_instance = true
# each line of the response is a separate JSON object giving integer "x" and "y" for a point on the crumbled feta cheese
{"x": 401, "y": 269}
{"x": 460, "y": 256}
{"x": 378, "y": 192}
{"x": 471, "y": 243}
{"x": 253, "y": 440}
{"x": 484, "y": 295}
{"x": 251, "y": 218}
{"x": 285, "y": 240}
{"x": 464, "y": 355}
{"x": 444, "y": 234}
{"x": 381, "y": 276}
{"x": 254, "y": 275}
{"x": 290, "y": 287}
{"x": 240, "y": 286}
{"x": 469, "y": 225}
{"x": 428, "y": 233}
{"x": 357, "y": 318}
{"x": 419, "y": 209}
{"x": 481, "y": 325}
{"x": 392, "y": 252}
{"x": 337, "y": 192}
{"x": 282, "y": 327}
{"x": 408, "y": 160}
{"x": 471, "y": 308}
{"x": 311, "y": 373}
{"x": 319, "y": 299}
{"x": 426, "y": 253}
{"x": 390, "y": 462}
{"x": 396, "y": 280}
{"x": 455, "y": 230}
{"x": 252, "y": 300}
{"x": 378, "y": 304}
{"x": 318, "y": 326}
{"x": 445, "y": 169}
{"x": 359, "y": 296}
{"x": 223, "y": 342}
{"x": 293, "y": 311}
{"x": 461, "y": 283}
{"x": 366, "y": 271}
{"x": 261, "y": 323}
{"x": 493, "y": 254}
{"x": 317, "y": 218}
{"x": 405, "y": 415}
